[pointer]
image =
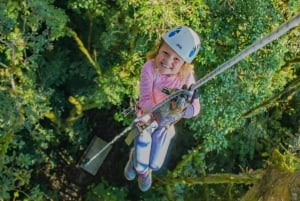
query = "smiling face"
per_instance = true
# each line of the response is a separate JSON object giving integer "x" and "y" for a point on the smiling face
{"x": 167, "y": 61}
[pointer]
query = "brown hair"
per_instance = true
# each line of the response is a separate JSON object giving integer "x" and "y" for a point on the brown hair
{"x": 185, "y": 69}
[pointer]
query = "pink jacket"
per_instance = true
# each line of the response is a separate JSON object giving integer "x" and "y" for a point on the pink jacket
{"x": 152, "y": 83}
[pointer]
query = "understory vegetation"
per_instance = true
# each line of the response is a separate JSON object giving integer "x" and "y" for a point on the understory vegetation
{"x": 68, "y": 69}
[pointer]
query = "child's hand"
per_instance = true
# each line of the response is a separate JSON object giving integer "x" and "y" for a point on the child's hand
{"x": 180, "y": 103}
{"x": 142, "y": 120}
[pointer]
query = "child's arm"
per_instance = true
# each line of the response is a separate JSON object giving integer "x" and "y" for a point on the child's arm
{"x": 146, "y": 101}
{"x": 192, "y": 109}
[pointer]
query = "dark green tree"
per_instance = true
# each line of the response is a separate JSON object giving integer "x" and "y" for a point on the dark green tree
{"x": 68, "y": 68}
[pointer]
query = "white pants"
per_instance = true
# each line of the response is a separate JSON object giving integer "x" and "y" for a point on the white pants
{"x": 151, "y": 148}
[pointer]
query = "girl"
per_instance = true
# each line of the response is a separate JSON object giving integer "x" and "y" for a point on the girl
{"x": 168, "y": 66}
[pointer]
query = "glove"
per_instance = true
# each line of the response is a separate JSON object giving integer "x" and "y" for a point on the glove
{"x": 184, "y": 102}
{"x": 181, "y": 102}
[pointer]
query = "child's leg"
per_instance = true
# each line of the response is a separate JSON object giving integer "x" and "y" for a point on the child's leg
{"x": 129, "y": 171}
{"x": 141, "y": 162}
{"x": 161, "y": 139}
{"x": 142, "y": 152}
{"x": 145, "y": 180}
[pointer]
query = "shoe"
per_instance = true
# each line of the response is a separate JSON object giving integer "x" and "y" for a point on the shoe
{"x": 129, "y": 171}
{"x": 145, "y": 181}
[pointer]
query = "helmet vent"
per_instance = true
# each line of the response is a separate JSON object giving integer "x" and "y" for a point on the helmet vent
{"x": 173, "y": 33}
{"x": 192, "y": 52}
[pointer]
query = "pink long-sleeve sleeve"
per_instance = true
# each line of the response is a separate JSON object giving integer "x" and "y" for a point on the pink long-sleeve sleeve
{"x": 146, "y": 101}
{"x": 196, "y": 102}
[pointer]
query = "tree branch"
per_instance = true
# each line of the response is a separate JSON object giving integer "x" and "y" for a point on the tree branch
{"x": 292, "y": 88}
{"x": 225, "y": 178}
{"x": 85, "y": 51}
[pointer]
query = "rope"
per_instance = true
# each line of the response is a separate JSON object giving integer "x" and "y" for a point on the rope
{"x": 293, "y": 22}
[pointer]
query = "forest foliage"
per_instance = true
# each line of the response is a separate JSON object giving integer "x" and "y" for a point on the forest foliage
{"x": 69, "y": 68}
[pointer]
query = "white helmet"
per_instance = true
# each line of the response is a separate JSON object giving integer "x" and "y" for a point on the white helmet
{"x": 184, "y": 41}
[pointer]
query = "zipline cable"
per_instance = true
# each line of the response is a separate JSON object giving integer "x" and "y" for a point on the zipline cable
{"x": 295, "y": 21}
{"x": 281, "y": 30}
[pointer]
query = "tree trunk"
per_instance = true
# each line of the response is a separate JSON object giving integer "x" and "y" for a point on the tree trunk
{"x": 276, "y": 185}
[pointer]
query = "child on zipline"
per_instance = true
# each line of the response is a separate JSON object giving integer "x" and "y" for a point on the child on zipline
{"x": 168, "y": 67}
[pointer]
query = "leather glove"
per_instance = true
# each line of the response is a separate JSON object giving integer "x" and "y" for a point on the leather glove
{"x": 181, "y": 102}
